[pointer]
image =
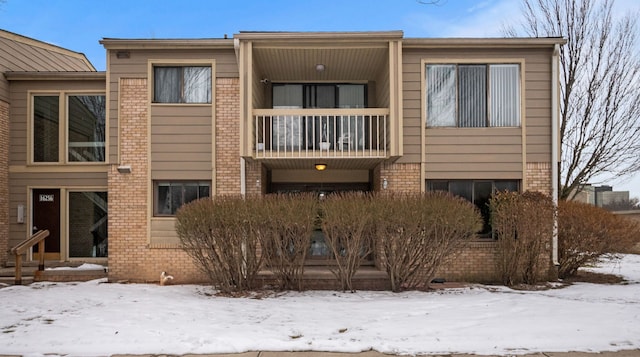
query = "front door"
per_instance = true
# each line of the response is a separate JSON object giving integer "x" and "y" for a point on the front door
{"x": 46, "y": 215}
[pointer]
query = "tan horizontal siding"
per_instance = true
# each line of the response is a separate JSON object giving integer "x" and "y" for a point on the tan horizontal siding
{"x": 470, "y": 151}
{"x": 490, "y": 153}
{"x": 163, "y": 231}
{"x": 137, "y": 66}
{"x": 181, "y": 142}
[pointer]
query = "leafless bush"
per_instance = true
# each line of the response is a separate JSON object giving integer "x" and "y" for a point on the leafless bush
{"x": 586, "y": 233}
{"x": 218, "y": 234}
{"x": 347, "y": 226}
{"x": 285, "y": 228}
{"x": 523, "y": 226}
{"x": 417, "y": 233}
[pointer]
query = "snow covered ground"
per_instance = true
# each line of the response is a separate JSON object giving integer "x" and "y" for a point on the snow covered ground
{"x": 99, "y": 319}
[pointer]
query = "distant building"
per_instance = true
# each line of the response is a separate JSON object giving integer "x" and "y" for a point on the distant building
{"x": 601, "y": 196}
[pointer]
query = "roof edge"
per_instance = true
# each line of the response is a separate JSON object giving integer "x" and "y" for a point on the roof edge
{"x": 50, "y": 76}
{"x": 484, "y": 42}
{"x": 120, "y": 43}
{"x": 320, "y": 35}
{"x": 46, "y": 45}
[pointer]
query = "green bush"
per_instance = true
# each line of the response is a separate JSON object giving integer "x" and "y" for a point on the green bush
{"x": 416, "y": 233}
{"x": 586, "y": 233}
{"x": 523, "y": 226}
{"x": 219, "y": 234}
{"x": 347, "y": 226}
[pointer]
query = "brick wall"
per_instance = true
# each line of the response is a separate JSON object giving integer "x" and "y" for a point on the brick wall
{"x": 228, "y": 136}
{"x": 539, "y": 177}
{"x": 130, "y": 257}
{"x": 4, "y": 182}
{"x": 476, "y": 263}
{"x": 128, "y": 229}
{"x": 400, "y": 177}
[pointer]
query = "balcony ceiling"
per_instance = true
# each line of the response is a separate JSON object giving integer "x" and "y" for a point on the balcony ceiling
{"x": 281, "y": 64}
{"x": 332, "y": 164}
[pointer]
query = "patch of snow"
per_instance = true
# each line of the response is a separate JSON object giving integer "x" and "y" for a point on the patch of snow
{"x": 85, "y": 266}
{"x": 96, "y": 319}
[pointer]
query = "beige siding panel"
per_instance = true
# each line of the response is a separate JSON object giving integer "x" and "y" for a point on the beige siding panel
{"x": 31, "y": 55}
{"x": 172, "y": 148}
{"x": 181, "y": 141}
{"x": 537, "y": 86}
{"x": 473, "y": 167}
{"x": 137, "y": 67}
{"x": 172, "y": 174}
{"x": 163, "y": 231}
{"x": 4, "y": 88}
{"x": 473, "y": 175}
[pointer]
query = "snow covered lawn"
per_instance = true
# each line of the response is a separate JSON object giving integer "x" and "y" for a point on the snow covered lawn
{"x": 98, "y": 319}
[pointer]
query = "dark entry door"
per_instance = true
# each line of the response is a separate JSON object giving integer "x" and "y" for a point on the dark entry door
{"x": 46, "y": 215}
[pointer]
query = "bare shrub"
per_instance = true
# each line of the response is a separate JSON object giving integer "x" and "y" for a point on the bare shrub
{"x": 347, "y": 226}
{"x": 523, "y": 226}
{"x": 586, "y": 233}
{"x": 417, "y": 233}
{"x": 286, "y": 223}
{"x": 218, "y": 234}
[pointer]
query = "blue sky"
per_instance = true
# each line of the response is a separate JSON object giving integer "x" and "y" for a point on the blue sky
{"x": 79, "y": 24}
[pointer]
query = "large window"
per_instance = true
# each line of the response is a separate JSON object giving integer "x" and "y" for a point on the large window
{"x": 183, "y": 84}
{"x": 88, "y": 236}
{"x": 169, "y": 196}
{"x": 477, "y": 191}
{"x": 82, "y": 129}
{"x": 473, "y": 95}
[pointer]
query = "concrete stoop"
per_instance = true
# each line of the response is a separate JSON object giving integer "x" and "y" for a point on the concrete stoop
{"x": 30, "y": 273}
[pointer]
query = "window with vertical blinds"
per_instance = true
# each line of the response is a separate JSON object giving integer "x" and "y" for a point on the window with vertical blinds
{"x": 473, "y": 95}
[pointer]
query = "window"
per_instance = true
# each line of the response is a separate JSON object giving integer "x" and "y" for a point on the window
{"x": 86, "y": 128}
{"x": 477, "y": 191}
{"x": 182, "y": 84}
{"x": 83, "y": 131}
{"x": 88, "y": 222}
{"x": 172, "y": 195}
{"x": 473, "y": 95}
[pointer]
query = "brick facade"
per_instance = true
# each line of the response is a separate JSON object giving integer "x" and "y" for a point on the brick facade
{"x": 400, "y": 177}
{"x": 4, "y": 182}
{"x": 539, "y": 177}
{"x": 130, "y": 257}
{"x": 227, "y": 155}
{"x": 128, "y": 193}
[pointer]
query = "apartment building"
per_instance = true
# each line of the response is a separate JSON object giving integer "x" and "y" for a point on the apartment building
{"x": 104, "y": 159}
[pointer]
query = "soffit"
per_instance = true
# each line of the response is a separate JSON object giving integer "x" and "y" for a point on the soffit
{"x": 341, "y": 64}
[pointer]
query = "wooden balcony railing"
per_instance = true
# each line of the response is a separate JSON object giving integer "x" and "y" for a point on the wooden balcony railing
{"x": 22, "y": 248}
{"x": 321, "y": 133}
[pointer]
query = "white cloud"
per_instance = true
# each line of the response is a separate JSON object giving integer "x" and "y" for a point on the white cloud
{"x": 484, "y": 19}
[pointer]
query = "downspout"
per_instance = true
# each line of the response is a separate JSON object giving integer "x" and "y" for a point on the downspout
{"x": 555, "y": 144}
{"x": 243, "y": 176}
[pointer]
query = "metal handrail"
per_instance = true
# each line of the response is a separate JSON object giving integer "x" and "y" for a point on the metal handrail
{"x": 18, "y": 250}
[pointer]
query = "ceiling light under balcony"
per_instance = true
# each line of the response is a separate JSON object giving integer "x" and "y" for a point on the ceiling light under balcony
{"x": 320, "y": 68}
{"x": 321, "y": 167}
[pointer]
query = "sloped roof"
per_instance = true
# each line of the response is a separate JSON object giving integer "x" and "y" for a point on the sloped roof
{"x": 23, "y": 54}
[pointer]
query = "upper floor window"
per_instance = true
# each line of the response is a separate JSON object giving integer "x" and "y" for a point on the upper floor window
{"x": 181, "y": 84}
{"x": 78, "y": 123}
{"x": 473, "y": 95}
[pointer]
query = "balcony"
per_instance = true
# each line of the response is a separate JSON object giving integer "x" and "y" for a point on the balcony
{"x": 321, "y": 133}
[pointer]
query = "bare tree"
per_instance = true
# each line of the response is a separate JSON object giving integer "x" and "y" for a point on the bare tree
{"x": 600, "y": 87}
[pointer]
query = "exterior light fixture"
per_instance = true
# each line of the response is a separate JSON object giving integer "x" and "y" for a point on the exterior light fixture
{"x": 124, "y": 169}
{"x": 385, "y": 183}
{"x": 321, "y": 167}
{"x": 320, "y": 67}
{"x": 258, "y": 183}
